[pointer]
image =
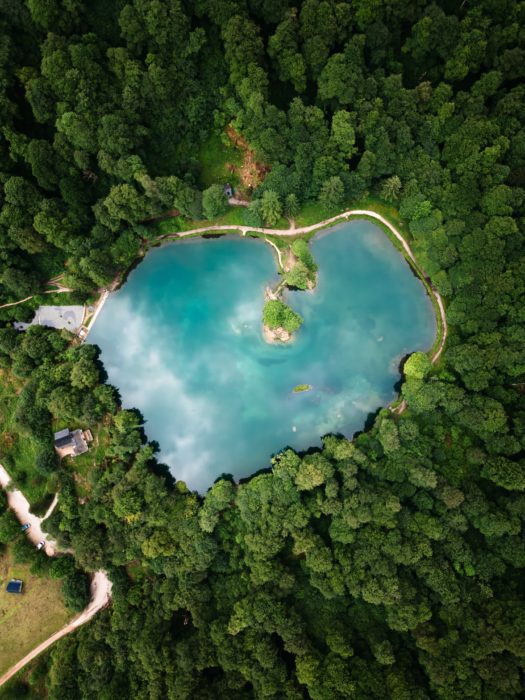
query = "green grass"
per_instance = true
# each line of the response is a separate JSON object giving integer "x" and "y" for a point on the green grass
{"x": 84, "y": 464}
{"x": 17, "y": 451}
{"x": 175, "y": 224}
{"x": 54, "y": 299}
{"x": 234, "y": 216}
{"x": 314, "y": 212}
{"x": 29, "y": 618}
{"x": 214, "y": 156}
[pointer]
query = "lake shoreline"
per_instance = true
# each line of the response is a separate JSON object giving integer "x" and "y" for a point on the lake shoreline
{"x": 398, "y": 240}
{"x": 187, "y": 306}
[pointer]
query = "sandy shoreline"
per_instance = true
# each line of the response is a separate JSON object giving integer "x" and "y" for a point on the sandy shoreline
{"x": 276, "y": 336}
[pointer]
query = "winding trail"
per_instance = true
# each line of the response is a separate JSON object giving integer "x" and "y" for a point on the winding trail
{"x": 60, "y": 290}
{"x": 322, "y": 224}
{"x": 100, "y": 583}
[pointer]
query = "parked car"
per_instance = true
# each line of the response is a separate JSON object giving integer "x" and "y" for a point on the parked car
{"x": 26, "y": 526}
{"x": 41, "y": 544}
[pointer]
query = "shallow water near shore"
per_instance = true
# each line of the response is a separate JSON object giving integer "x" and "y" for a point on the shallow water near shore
{"x": 182, "y": 341}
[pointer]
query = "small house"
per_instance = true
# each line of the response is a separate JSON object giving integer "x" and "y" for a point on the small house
{"x": 228, "y": 191}
{"x": 71, "y": 443}
{"x": 15, "y": 586}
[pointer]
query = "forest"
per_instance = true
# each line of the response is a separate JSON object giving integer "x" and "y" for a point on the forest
{"x": 387, "y": 566}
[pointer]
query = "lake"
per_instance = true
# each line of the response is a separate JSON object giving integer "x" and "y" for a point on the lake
{"x": 182, "y": 341}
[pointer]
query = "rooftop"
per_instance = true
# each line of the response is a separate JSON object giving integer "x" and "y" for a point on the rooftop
{"x": 70, "y": 443}
{"x": 15, "y": 586}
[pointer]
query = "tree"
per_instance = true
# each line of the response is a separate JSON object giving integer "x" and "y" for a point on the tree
{"x": 253, "y": 213}
{"x": 291, "y": 205}
{"x": 343, "y": 133}
{"x": 214, "y": 202}
{"x": 276, "y": 314}
{"x": 9, "y": 527}
{"x": 417, "y": 366}
{"x": 332, "y": 193}
{"x": 283, "y": 48}
{"x": 298, "y": 276}
{"x": 75, "y": 589}
{"x": 20, "y": 283}
{"x": 505, "y": 473}
{"x": 271, "y": 208}
{"x": 391, "y": 189}
{"x": 85, "y": 373}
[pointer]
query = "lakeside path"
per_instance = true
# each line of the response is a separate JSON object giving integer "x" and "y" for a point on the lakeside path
{"x": 323, "y": 224}
{"x": 100, "y": 583}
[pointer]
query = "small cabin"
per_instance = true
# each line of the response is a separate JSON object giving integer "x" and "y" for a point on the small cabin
{"x": 70, "y": 443}
{"x": 15, "y": 585}
{"x": 228, "y": 191}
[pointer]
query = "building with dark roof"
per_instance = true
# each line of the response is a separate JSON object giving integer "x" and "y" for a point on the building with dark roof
{"x": 70, "y": 443}
{"x": 15, "y": 586}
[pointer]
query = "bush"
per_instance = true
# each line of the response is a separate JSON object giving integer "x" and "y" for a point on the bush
{"x": 46, "y": 460}
{"x": 302, "y": 251}
{"x": 214, "y": 202}
{"x": 297, "y": 277}
{"x": 9, "y": 527}
{"x": 76, "y": 591}
{"x": 62, "y": 566}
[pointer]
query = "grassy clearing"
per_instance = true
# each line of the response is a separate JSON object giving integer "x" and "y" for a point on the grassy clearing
{"x": 17, "y": 451}
{"x": 85, "y": 464}
{"x": 29, "y": 618}
{"x": 175, "y": 224}
{"x": 215, "y": 158}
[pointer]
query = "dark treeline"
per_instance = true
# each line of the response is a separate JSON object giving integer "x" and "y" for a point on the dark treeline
{"x": 390, "y": 566}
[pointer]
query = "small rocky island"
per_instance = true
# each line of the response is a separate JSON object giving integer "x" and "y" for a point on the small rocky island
{"x": 299, "y": 271}
{"x": 279, "y": 321}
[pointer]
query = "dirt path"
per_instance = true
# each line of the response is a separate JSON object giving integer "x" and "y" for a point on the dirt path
{"x": 100, "y": 597}
{"x": 22, "y": 509}
{"x": 277, "y": 251}
{"x": 314, "y": 227}
{"x": 100, "y": 584}
{"x": 60, "y": 290}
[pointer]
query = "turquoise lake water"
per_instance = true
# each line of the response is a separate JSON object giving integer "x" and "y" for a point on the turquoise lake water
{"x": 182, "y": 341}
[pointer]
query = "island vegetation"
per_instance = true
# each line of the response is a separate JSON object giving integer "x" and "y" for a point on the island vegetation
{"x": 280, "y": 321}
{"x": 302, "y": 268}
{"x": 387, "y": 566}
{"x": 301, "y": 387}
